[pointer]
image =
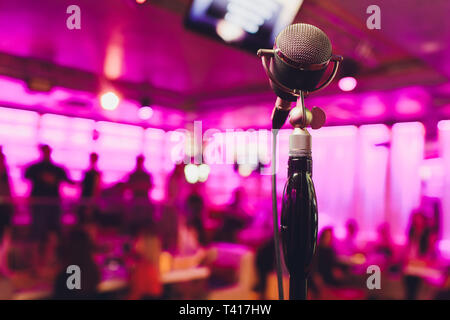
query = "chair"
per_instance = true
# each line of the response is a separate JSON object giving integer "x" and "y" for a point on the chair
{"x": 240, "y": 261}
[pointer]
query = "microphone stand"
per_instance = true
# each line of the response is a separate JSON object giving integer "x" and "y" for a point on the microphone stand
{"x": 299, "y": 207}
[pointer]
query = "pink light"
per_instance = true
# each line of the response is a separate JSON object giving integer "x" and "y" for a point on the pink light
{"x": 68, "y": 219}
{"x": 54, "y": 121}
{"x": 408, "y": 106}
{"x": 145, "y": 113}
{"x": 119, "y": 129}
{"x": 373, "y": 106}
{"x": 347, "y": 83}
{"x": 114, "y": 59}
{"x": 22, "y": 219}
{"x": 444, "y": 151}
{"x": 407, "y": 150}
{"x": 444, "y": 248}
{"x": 157, "y": 194}
{"x": 18, "y": 116}
{"x": 109, "y": 101}
{"x": 444, "y": 125}
{"x": 153, "y": 134}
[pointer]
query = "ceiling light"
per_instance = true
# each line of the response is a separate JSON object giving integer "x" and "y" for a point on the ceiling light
{"x": 109, "y": 100}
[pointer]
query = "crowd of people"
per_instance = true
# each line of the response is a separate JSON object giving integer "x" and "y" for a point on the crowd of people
{"x": 342, "y": 263}
{"x": 41, "y": 252}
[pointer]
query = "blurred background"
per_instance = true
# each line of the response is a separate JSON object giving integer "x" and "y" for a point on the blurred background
{"x": 97, "y": 132}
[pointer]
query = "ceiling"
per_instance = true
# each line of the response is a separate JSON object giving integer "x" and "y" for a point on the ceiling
{"x": 152, "y": 53}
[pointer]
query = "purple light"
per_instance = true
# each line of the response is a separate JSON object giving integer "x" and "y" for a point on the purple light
{"x": 347, "y": 83}
{"x": 145, "y": 112}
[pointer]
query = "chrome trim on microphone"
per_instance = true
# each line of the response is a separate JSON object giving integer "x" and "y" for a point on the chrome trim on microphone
{"x": 337, "y": 60}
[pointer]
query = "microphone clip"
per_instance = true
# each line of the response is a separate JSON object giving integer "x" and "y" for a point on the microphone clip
{"x": 301, "y": 117}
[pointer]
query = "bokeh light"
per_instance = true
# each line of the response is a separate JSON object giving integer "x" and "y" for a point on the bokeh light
{"x": 109, "y": 100}
{"x": 145, "y": 113}
{"x": 347, "y": 84}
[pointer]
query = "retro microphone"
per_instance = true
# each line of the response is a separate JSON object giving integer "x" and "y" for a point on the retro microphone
{"x": 298, "y": 60}
{"x": 295, "y": 66}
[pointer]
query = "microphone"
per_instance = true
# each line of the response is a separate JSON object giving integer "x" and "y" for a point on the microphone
{"x": 299, "y": 58}
{"x": 295, "y": 66}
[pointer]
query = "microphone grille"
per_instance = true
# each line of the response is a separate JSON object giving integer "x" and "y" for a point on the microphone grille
{"x": 304, "y": 43}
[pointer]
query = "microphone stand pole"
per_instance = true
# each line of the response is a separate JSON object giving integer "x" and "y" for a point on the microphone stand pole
{"x": 299, "y": 207}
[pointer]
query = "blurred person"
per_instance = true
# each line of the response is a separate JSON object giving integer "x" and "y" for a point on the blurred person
{"x": 436, "y": 219}
{"x": 6, "y": 209}
{"x": 433, "y": 255}
{"x": 19, "y": 266}
{"x": 444, "y": 292}
{"x": 418, "y": 236}
{"x": 140, "y": 183}
{"x": 265, "y": 264}
{"x": 169, "y": 222}
{"x": 6, "y": 288}
{"x": 90, "y": 190}
{"x": 332, "y": 279}
{"x": 190, "y": 228}
{"x": 417, "y": 249}
{"x": 77, "y": 249}
{"x": 177, "y": 186}
{"x": 46, "y": 178}
{"x": 192, "y": 238}
{"x": 330, "y": 269}
{"x": 383, "y": 252}
{"x": 112, "y": 204}
{"x": 383, "y": 245}
{"x": 145, "y": 282}
{"x": 349, "y": 245}
{"x": 435, "y": 230}
{"x": 235, "y": 218}
{"x": 194, "y": 217}
{"x": 46, "y": 259}
{"x": 5, "y": 247}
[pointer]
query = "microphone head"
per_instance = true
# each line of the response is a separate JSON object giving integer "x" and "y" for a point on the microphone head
{"x": 304, "y": 44}
{"x": 302, "y": 53}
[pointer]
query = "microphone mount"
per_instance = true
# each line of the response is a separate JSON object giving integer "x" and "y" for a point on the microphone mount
{"x": 268, "y": 54}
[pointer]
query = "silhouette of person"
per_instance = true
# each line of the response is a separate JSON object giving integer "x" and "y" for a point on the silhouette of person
{"x": 170, "y": 218}
{"x": 418, "y": 248}
{"x": 235, "y": 218}
{"x": 6, "y": 209}
{"x": 90, "y": 190}
{"x": 46, "y": 178}
{"x": 140, "y": 182}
